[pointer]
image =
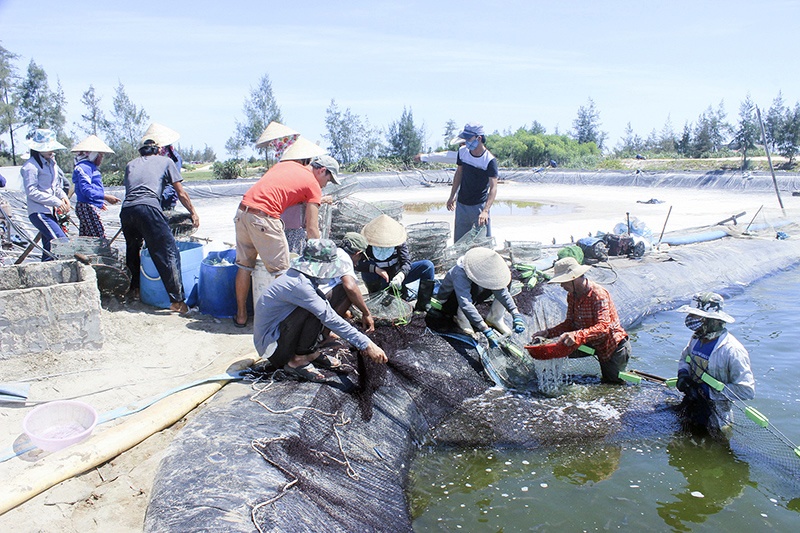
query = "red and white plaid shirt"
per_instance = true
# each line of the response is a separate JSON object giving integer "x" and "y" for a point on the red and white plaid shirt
{"x": 594, "y": 320}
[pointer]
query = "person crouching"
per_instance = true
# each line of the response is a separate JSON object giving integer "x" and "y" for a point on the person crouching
{"x": 292, "y": 313}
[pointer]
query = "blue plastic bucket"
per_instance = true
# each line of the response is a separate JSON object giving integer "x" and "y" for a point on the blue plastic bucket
{"x": 151, "y": 288}
{"x": 217, "y": 291}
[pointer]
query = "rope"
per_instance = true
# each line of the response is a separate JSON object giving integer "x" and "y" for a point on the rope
{"x": 264, "y": 443}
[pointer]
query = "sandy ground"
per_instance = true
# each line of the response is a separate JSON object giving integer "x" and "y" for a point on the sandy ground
{"x": 147, "y": 352}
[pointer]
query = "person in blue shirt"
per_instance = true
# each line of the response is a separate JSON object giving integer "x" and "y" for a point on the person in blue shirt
{"x": 291, "y": 313}
{"x": 90, "y": 194}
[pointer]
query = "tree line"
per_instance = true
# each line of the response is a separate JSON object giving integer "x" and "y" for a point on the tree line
{"x": 28, "y": 102}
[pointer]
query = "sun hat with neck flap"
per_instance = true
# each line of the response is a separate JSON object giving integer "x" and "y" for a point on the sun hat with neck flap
{"x": 486, "y": 268}
{"x": 320, "y": 260}
{"x": 707, "y": 305}
{"x": 568, "y": 269}
{"x": 384, "y": 232}
{"x": 44, "y": 140}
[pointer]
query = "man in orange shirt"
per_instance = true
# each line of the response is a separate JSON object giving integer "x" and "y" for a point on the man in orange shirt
{"x": 298, "y": 178}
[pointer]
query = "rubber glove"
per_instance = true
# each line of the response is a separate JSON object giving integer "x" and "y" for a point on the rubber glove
{"x": 519, "y": 323}
{"x": 684, "y": 383}
{"x": 397, "y": 281}
{"x": 491, "y": 336}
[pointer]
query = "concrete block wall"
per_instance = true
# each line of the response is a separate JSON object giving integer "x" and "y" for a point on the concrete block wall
{"x": 48, "y": 307}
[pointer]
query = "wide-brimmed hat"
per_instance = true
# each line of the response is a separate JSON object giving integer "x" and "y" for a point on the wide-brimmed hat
{"x": 353, "y": 242}
{"x": 486, "y": 268}
{"x": 331, "y": 164}
{"x": 160, "y": 134}
{"x": 471, "y": 129}
{"x": 44, "y": 140}
{"x": 277, "y": 133}
{"x": 319, "y": 260}
{"x": 301, "y": 148}
{"x": 92, "y": 143}
{"x": 707, "y": 305}
{"x": 384, "y": 232}
{"x": 568, "y": 269}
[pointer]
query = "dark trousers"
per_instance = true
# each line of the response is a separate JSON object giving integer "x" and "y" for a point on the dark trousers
{"x": 144, "y": 223}
{"x": 419, "y": 270}
{"x": 479, "y": 295}
{"x": 300, "y": 331}
{"x": 49, "y": 228}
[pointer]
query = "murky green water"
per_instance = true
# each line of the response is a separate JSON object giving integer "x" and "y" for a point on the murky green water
{"x": 499, "y": 208}
{"x": 672, "y": 483}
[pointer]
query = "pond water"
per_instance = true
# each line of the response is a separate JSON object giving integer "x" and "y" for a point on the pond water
{"x": 499, "y": 208}
{"x": 677, "y": 482}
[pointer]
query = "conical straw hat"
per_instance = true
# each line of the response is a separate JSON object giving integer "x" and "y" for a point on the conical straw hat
{"x": 486, "y": 268}
{"x": 162, "y": 135}
{"x": 92, "y": 143}
{"x": 384, "y": 232}
{"x": 302, "y": 148}
{"x": 274, "y": 131}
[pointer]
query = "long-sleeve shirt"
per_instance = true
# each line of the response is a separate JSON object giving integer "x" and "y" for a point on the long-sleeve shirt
{"x": 287, "y": 293}
{"x": 729, "y": 363}
{"x": 593, "y": 319}
{"x": 456, "y": 280}
{"x": 88, "y": 184}
{"x": 42, "y": 185}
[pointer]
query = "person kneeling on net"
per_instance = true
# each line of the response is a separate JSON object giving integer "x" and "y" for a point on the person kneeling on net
{"x": 386, "y": 261}
{"x": 478, "y": 274}
{"x": 712, "y": 350}
{"x": 591, "y": 319}
{"x": 292, "y": 311}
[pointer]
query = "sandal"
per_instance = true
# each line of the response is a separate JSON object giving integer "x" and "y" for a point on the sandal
{"x": 306, "y": 372}
{"x": 326, "y": 362}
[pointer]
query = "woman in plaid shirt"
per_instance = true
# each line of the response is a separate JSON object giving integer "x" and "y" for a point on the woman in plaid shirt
{"x": 591, "y": 320}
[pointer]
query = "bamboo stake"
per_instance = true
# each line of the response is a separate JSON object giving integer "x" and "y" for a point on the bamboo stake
{"x": 769, "y": 159}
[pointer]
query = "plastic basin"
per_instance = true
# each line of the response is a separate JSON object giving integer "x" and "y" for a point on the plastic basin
{"x": 55, "y": 425}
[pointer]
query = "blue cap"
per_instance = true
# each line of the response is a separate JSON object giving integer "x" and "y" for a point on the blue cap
{"x": 472, "y": 129}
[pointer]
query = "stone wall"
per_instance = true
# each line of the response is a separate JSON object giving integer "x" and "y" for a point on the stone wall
{"x": 48, "y": 307}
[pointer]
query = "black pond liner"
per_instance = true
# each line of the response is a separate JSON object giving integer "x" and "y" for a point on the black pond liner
{"x": 338, "y": 460}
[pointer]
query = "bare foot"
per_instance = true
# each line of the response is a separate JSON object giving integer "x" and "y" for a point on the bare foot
{"x": 179, "y": 307}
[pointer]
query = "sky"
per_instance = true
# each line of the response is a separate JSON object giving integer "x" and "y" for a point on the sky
{"x": 192, "y": 64}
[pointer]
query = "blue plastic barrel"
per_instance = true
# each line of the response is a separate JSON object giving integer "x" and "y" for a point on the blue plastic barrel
{"x": 151, "y": 288}
{"x": 217, "y": 291}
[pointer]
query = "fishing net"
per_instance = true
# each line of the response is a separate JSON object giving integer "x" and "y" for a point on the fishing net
{"x": 522, "y": 251}
{"x": 472, "y": 239}
{"x": 386, "y": 307}
{"x": 351, "y": 214}
{"x": 428, "y": 240}
{"x": 180, "y": 223}
{"x": 281, "y": 456}
{"x": 113, "y": 276}
{"x": 392, "y": 208}
{"x": 754, "y": 436}
{"x": 343, "y": 190}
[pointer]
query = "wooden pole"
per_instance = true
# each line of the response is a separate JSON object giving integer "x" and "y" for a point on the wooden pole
{"x": 769, "y": 159}
{"x": 665, "y": 226}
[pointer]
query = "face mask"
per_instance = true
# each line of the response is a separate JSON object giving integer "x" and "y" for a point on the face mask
{"x": 694, "y": 322}
{"x": 382, "y": 254}
{"x": 473, "y": 144}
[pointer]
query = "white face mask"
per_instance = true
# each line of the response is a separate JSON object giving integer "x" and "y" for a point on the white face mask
{"x": 382, "y": 254}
